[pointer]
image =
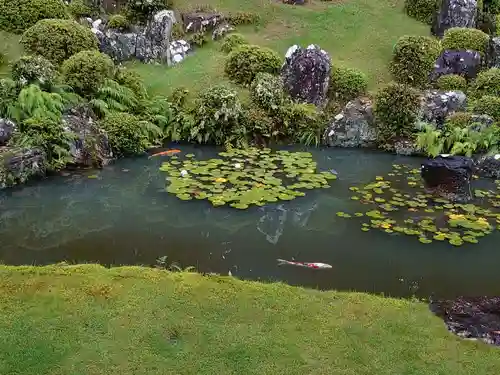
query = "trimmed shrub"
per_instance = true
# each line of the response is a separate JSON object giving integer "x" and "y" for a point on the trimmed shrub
{"x": 452, "y": 82}
{"x": 413, "y": 59}
{"x": 488, "y": 105}
{"x": 57, "y": 40}
{"x": 486, "y": 83}
{"x": 118, "y": 22}
{"x": 347, "y": 83}
{"x": 232, "y": 41}
{"x": 34, "y": 69}
{"x": 19, "y": 15}
{"x": 465, "y": 38}
{"x": 125, "y": 134}
{"x": 141, "y": 10}
{"x": 243, "y": 18}
{"x": 87, "y": 70}
{"x": 259, "y": 125}
{"x": 458, "y": 120}
{"x": 267, "y": 92}
{"x": 80, "y": 8}
{"x": 396, "y": 107}
{"x": 243, "y": 63}
{"x": 132, "y": 80}
{"x": 422, "y": 10}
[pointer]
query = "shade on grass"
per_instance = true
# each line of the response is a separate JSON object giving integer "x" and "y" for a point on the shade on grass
{"x": 91, "y": 320}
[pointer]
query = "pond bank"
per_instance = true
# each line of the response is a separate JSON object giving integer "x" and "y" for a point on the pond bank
{"x": 133, "y": 320}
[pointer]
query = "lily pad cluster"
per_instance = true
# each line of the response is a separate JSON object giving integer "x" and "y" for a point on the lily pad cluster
{"x": 241, "y": 178}
{"x": 398, "y": 204}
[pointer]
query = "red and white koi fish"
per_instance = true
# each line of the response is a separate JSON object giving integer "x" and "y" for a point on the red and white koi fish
{"x": 282, "y": 262}
{"x": 166, "y": 153}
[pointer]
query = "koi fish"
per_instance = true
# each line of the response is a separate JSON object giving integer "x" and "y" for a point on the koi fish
{"x": 166, "y": 153}
{"x": 282, "y": 262}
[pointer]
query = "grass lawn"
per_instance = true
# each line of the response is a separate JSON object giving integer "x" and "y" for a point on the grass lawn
{"x": 356, "y": 33}
{"x": 79, "y": 320}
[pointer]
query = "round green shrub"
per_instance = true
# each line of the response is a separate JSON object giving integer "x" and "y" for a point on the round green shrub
{"x": 259, "y": 124}
{"x": 452, "y": 82}
{"x": 118, "y": 22}
{"x": 486, "y": 83}
{"x": 124, "y": 133}
{"x": 413, "y": 59}
{"x": 246, "y": 61}
{"x": 132, "y": 80}
{"x": 458, "y": 120}
{"x": 465, "y": 38}
{"x": 34, "y": 69}
{"x": 231, "y": 42}
{"x": 141, "y": 10}
{"x": 422, "y": 10}
{"x": 80, "y": 8}
{"x": 19, "y": 15}
{"x": 57, "y": 40}
{"x": 396, "y": 108}
{"x": 87, "y": 70}
{"x": 347, "y": 83}
{"x": 267, "y": 92}
{"x": 488, "y": 105}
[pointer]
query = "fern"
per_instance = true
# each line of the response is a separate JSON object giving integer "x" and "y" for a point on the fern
{"x": 429, "y": 140}
{"x": 112, "y": 96}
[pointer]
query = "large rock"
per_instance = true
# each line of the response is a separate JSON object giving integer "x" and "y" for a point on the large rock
{"x": 454, "y": 13}
{"x": 90, "y": 147}
{"x": 18, "y": 165}
{"x": 353, "y": 127}
{"x": 306, "y": 74}
{"x": 448, "y": 177}
{"x": 222, "y": 30}
{"x": 179, "y": 49}
{"x": 7, "y": 129}
{"x": 493, "y": 53}
{"x": 198, "y": 21}
{"x": 466, "y": 63}
{"x": 489, "y": 166}
{"x": 119, "y": 46}
{"x": 437, "y": 105}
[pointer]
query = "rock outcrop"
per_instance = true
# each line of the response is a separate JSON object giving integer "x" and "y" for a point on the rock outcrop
{"x": 18, "y": 165}
{"x": 488, "y": 166}
{"x": 7, "y": 129}
{"x": 493, "y": 53}
{"x": 222, "y": 30}
{"x": 454, "y": 13}
{"x": 179, "y": 49}
{"x": 306, "y": 74}
{"x": 466, "y": 63}
{"x": 437, "y": 105}
{"x": 198, "y": 21}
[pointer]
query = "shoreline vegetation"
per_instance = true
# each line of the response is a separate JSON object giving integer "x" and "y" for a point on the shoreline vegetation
{"x": 87, "y": 319}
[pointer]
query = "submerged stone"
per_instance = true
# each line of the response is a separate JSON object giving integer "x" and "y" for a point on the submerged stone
{"x": 454, "y": 13}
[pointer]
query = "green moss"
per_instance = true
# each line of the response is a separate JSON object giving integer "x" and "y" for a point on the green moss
{"x": 346, "y": 83}
{"x": 465, "y": 38}
{"x": 452, "y": 82}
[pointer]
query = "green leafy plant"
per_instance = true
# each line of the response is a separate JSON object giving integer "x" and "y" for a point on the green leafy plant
{"x": 118, "y": 22}
{"x": 132, "y": 80}
{"x": 486, "y": 83}
{"x": 346, "y": 83}
{"x": 232, "y": 41}
{"x": 302, "y": 122}
{"x": 413, "y": 59}
{"x": 459, "y": 119}
{"x": 465, "y": 38}
{"x": 199, "y": 38}
{"x": 19, "y": 15}
{"x": 260, "y": 127}
{"x": 141, "y": 10}
{"x": 488, "y": 105}
{"x": 452, "y": 82}
{"x": 9, "y": 92}
{"x": 243, "y": 18}
{"x": 113, "y": 97}
{"x": 181, "y": 119}
{"x": 243, "y": 63}
{"x": 267, "y": 92}
{"x": 34, "y": 70}
{"x": 80, "y": 9}
{"x": 422, "y": 10}
{"x": 57, "y": 40}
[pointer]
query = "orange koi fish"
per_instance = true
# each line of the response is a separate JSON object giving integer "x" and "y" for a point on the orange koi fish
{"x": 282, "y": 262}
{"x": 166, "y": 153}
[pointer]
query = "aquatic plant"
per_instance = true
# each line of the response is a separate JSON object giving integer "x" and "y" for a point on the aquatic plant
{"x": 245, "y": 177}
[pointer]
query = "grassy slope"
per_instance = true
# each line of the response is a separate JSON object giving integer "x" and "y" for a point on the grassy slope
{"x": 9, "y": 45}
{"x": 87, "y": 320}
{"x": 356, "y": 33}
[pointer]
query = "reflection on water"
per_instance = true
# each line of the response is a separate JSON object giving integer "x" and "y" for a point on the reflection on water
{"x": 125, "y": 217}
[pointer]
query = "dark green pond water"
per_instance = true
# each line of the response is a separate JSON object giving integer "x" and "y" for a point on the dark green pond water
{"x": 125, "y": 217}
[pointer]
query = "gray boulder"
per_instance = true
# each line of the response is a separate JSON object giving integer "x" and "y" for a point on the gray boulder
{"x": 493, "y": 53}
{"x": 18, "y": 165}
{"x": 353, "y": 127}
{"x": 179, "y": 49}
{"x": 7, "y": 129}
{"x": 119, "y": 46}
{"x": 454, "y": 13}
{"x": 437, "y": 105}
{"x": 481, "y": 122}
{"x": 488, "y": 166}
{"x": 221, "y": 31}
{"x": 199, "y": 21}
{"x": 466, "y": 63}
{"x": 306, "y": 74}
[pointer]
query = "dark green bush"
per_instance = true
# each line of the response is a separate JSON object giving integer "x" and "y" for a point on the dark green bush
{"x": 19, "y": 15}
{"x": 34, "y": 69}
{"x": 413, "y": 58}
{"x": 57, "y": 40}
{"x": 80, "y": 8}
{"x": 452, "y": 82}
{"x": 9, "y": 92}
{"x": 125, "y": 134}
{"x": 422, "y": 10}
{"x": 267, "y": 92}
{"x": 459, "y": 120}
{"x": 132, "y": 80}
{"x": 198, "y": 39}
{"x": 87, "y": 70}
{"x": 258, "y": 124}
{"x": 486, "y": 83}
{"x": 118, "y": 22}
{"x": 488, "y": 105}
{"x": 346, "y": 83}
{"x": 246, "y": 61}
{"x": 396, "y": 108}
{"x": 465, "y": 38}
{"x": 141, "y": 10}
{"x": 243, "y": 18}
{"x": 232, "y": 41}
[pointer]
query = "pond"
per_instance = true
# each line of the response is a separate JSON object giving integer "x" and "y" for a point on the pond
{"x": 123, "y": 215}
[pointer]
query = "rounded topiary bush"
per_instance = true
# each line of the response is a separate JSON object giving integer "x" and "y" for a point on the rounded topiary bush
{"x": 19, "y": 15}
{"x": 34, "y": 69}
{"x": 267, "y": 92}
{"x": 57, "y": 40}
{"x": 124, "y": 133}
{"x": 347, "y": 83}
{"x": 458, "y": 120}
{"x": 452, "y": 82}
{"x": 413, "y": 59}
{"x": 232, "y": 41}
{"x": 396, "y": 109}
{"x": 465, "y": 38}
{"x": 243, "y": 63}
{"x": 87, "y": 70}
{"x": 422, "y": 10}
{"x": 132, "y": 80}
{"x": 80, "y": 8}
{"x": 486, "y": 83}
{"x": 488, "y": 105}
{"x": 118, "y": 22}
